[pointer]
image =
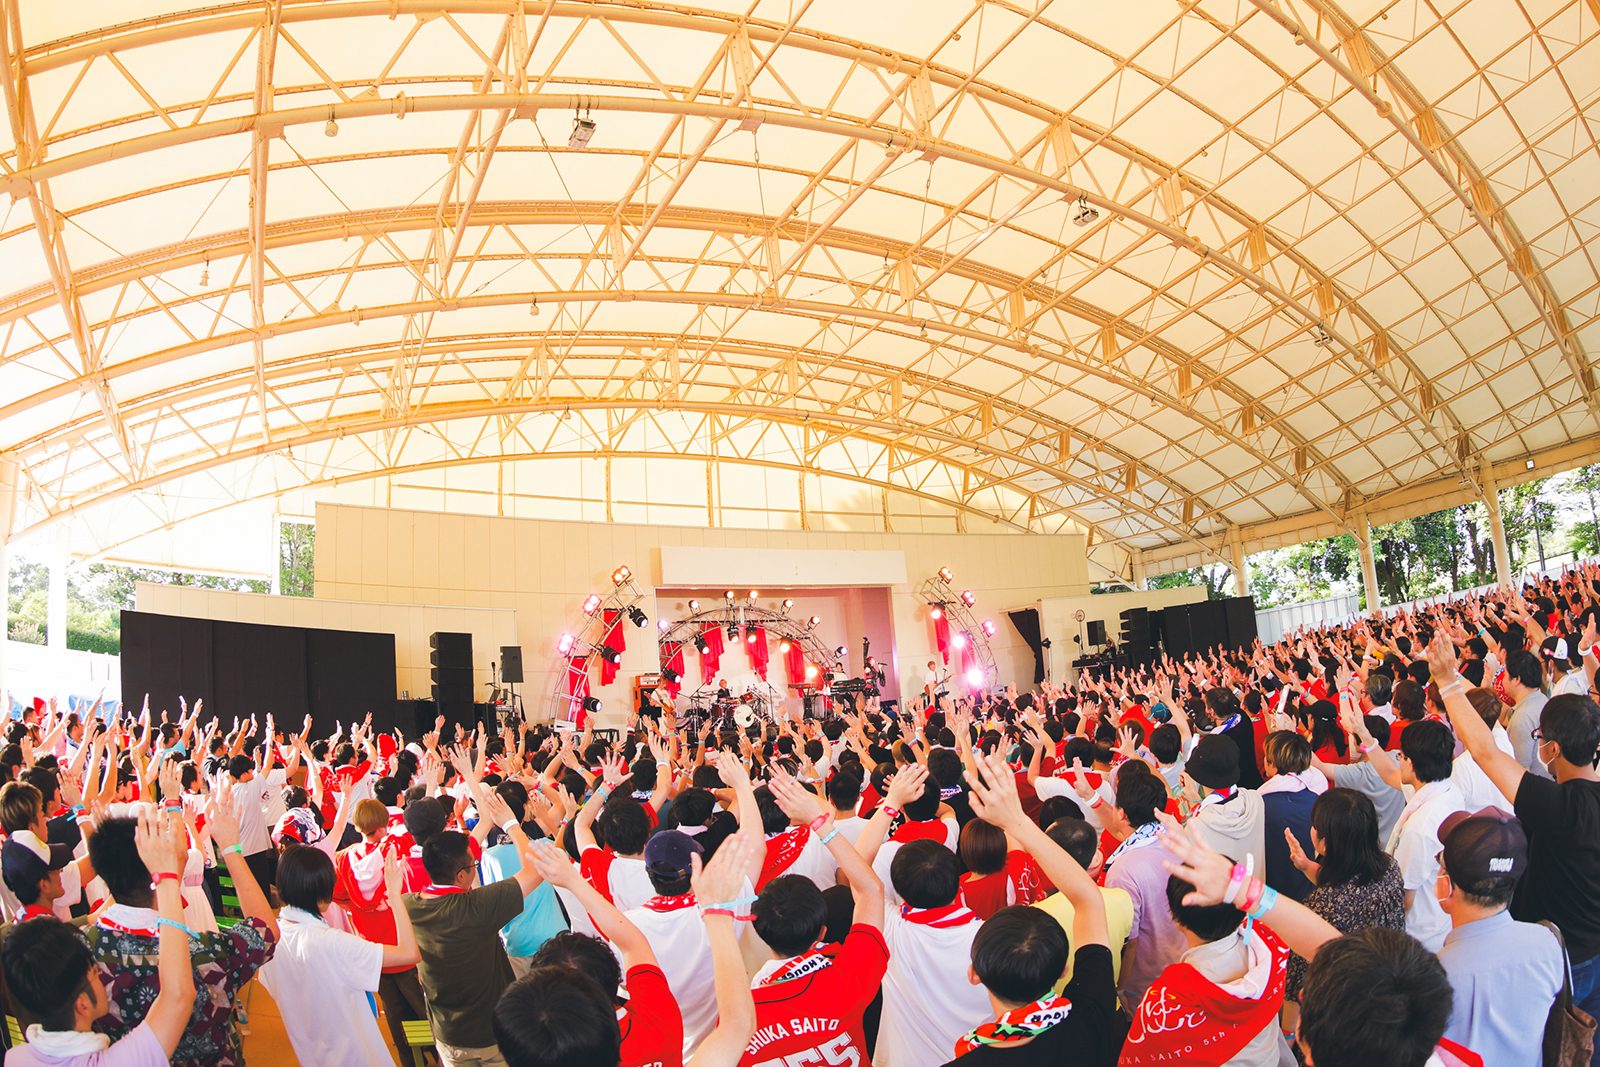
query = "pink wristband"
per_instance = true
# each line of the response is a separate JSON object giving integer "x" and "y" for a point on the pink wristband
{"x": 1235, "y": 883}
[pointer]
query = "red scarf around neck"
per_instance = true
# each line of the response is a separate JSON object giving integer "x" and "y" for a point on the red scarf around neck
{"x": 926, "y": 830}
{"x": 1017, "y": 1025}
{"x": 953, "y": 914}
{"x": 782, "y": 851}
{"x": 820, "y": 956}
{"x": 677, "y": 903}
{"x": 1187, "y": 1018}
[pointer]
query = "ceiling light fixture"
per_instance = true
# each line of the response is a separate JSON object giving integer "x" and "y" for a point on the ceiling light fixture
{"x": 582, "y": 129}
{"x": 332, "y": 128}
{"x": 1320, "y": 337}
{"x": 1086, "y": 212}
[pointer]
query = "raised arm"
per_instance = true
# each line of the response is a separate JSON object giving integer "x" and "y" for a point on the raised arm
{"x": 164, "y": 848}
{"x": 555, "y": 868}
{"x": 801, "y": 805}
{"x": 720, "y": 881}
{"x": 1503, "y": 769}
{"x": 404, "y": 952}
{"x": 223, "y": 826}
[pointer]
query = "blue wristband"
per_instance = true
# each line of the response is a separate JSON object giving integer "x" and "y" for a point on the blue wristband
{"x": 1264, "y": 905}
{"x": 176, "y": 926}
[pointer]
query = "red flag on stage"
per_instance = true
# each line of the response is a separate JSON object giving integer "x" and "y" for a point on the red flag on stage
{"x": 711, "y": 658}
{"x": 614, "y": 639}
{"x": 796, "y": 663}
{"x": 941, "y": 636}
{"x": 759, "y": 652}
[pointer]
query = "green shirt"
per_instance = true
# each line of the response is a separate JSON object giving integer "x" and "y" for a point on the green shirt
{"x": 464, "y": 967}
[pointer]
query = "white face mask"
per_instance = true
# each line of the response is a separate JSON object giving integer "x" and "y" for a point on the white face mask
{"x": 1549, "y": 764}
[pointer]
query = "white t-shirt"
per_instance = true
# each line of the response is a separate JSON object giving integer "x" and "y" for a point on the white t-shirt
{"x": 850, "y": 828}
{"x": 319, "y": 978}
{"x": 275, "y": 806}
{"x": 1477, "y": 791}
{"x": 1416, "y": 849}
{"x": 884, "y": 860}
{"x": 1575, "y": 682}
{"x": 928, "y": 1004}
{"x": 630, "y": 883}
{"x": 250, "y": 807}
{"x": 682, "y": 948}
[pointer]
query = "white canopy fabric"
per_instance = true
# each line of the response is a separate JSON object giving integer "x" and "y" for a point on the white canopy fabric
{"x": 1151, "y": 270}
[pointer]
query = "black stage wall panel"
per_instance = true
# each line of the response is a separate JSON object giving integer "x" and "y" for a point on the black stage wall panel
{"x": 1176, "y": 633}
{"x": 1241, "y": 611}
{"x": 245, "y": 668}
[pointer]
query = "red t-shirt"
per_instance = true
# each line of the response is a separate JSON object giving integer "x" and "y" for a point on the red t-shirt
{"x": 367, "y": 907}
{"x": 816, "y": 1018}
{"x": 652, "y": 1025}
{"x": 985, "y": 894}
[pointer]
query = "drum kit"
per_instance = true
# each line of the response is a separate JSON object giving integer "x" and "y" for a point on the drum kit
{"x": 723, "y": 709}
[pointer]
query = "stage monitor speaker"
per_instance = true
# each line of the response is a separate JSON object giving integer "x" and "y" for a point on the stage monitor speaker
{"x": 451, "y": 650}
{"x": 1097, "y": 631}
{"x": 511, "y": 663}
{"x": 1241, "y": 613}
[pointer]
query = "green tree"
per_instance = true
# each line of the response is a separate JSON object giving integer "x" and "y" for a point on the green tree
{"x": 1217, "y": 579}
{"x": 1530, "y": 522}
{"x": 297, "y": 549}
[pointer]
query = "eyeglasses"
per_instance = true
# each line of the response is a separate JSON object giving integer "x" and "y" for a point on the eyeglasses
{"x": 1537, "y": 735}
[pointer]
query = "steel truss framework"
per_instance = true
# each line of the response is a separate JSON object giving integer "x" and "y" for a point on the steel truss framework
{"x": 1332, "y": 257}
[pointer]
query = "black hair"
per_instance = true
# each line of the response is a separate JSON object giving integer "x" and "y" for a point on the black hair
{"x": 1431, "y": 748}
{"x": 116, "y": 860}
{"x": 45, "y": 781}
{"x": 626, "y": 826}
{"x": 1524, "y": 667}
{"x": 982, "y": 846}
{"x": 925, "y": 806}
{"x": 1056, "y": 808}
{"x": 789, "y": 914}
{"x": 693, "y": 807}
{"x": 925, "y": 874}
{"x": 554, "y": 1016}
{"x": 1019, "y": 954}
{"x": 445, "y": 855}
{"x": 515, "y": 794}
{"x": 944, "y": 767}
{"x": 1140, "y": 796}
{"x": 1379, "y": 728}
{"x": 1572, "y": 723}
{"x": 1208, "y": 922}
{"x": 1347, "y": 823}
{"x": 306, "y": 878}
{"x": 1076, "y": 838}
{"x": 387, "y": 790}
{"x": 241, "y": 765}
{"x": 1374, "y": 996}
{"x": 47, "y": 964}
{"x": 844, "y": 789}
{"x": 773, "y": 819}
{"x": 1165, "y": 743}
{"x": 1408, "y": 700}
{"x": 587, "y": 955}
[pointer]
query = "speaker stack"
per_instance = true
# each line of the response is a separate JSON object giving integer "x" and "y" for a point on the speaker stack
{"x": 452, "y": 676}
{"x": 1135, "y": 635}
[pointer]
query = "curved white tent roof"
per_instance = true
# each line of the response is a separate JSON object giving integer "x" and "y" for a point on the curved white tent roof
{"x": 1151, "y": 270}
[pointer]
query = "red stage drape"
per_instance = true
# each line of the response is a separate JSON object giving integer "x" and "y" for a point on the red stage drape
{"x": 615, "y": 638}
{"x": 759, "y": 652}
{"x": 577, "y": 686}
{"x": 941, "y": 637}
{"x": 711, "y": 658}
{"x": 675, "y": 661}
{"x": 795, "y": 662}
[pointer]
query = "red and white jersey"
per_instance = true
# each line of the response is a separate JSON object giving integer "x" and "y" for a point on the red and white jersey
{"x": 816, "y": 1018}
{"x": 927, "y": 1002}
{"x": 651, "y": 1030}
{"x": 677, "y": 936}
{"x": 945, "y": 831}
{"x": 620, "y": 879}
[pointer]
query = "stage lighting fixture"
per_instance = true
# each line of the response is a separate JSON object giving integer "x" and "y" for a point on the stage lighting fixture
{"x": 815, "y": 620}
{"x": 811, "y": 671}
{"x": 975, "y": 677}
{"x": 639, "y": 618}
{"x": 672, "y": 676}
{"x": 591, "y": 604}
{"x": 959, "y": 640}
{"x": 783, "y": 647}
{"x": 733, "y": 632}
{"x": 841, "y": 652}
{"x": 592, "y": 705}
{"x": 788, "y": 604}
{"x": 968, "y": 598}
{"x": 1529, "y": 464}
{"x": 728, "y": 596}
{"x": 610, "y": 655}
{"x": 1086, "y": 212}
{"x": 754, "y": 594}
{"x": 988, "y": 627}
{"x": 582, "y": 129}
{"x": 1320, "y": 337}
{"x": 936, "y": 612}
{"x": 701, "y": 646}
{"x": 750, "y": 637}
{"x": 332, "y": 128}
{"x": 620, "y": 575}
{"x": 664, "y": 624}
{"x": 564, "y": 645}
{"x": 694, "y": 605}
{"x": 946, "y": 575}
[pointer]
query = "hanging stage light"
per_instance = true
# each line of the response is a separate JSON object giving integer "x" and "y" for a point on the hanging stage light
{"x": 811, "y": 671}
{"x": 784, "y": 646}
{"x": 639, "y": 618}
{"x": 754, "y": 594}
{"x": 620, "y": 575}
{"x": 664, "y": 624}
{"x": 694, "y": 605}
{"x": 672, "y": 676}
{"x": 564, "y": 645}
{"x": 936, "y": 612}
{"x": 946, "y": 575}
{"x": 728, "y": 596}
{"x": 814, "y": 620}
{"x": 700, "y": 645}
{"x": 610, "y": 655}
{"x": 582, "y": 129}
{"x": 959, "y": 640}
{"x": 750, "y": 636}
{"x": 733, "y": 632}
{"x": 787, "y": 605}
{"x": 988, "y": 627}
{"x": 841, "y": 652}
{"x": 968, "y": 598}
{"x": 592, "y": 705}
{"x": 591, "y": 604}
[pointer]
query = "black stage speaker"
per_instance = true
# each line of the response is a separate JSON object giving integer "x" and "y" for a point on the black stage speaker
{"x": 1177, "y": 634}
{"x": 511, "y": 663}
{"x": 1208, "y": 622}
{"x": 452, "y": 675}
{"x": 1097, "y": 631}
{"x": 1136, "y": 634}
{"x": 1241, "y": 613}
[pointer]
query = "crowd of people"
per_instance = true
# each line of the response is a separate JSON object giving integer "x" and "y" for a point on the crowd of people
{"x": 1370, "y": 844}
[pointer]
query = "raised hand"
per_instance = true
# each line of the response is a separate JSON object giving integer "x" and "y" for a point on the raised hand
{"x": 994, "y": 793}
{"x": 797, "y": 802}
{"x": 162, "y": 842}
{"x": 907, "y": 785}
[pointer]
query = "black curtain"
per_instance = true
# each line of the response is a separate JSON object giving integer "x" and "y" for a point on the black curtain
{"x": 1026, "y": 622}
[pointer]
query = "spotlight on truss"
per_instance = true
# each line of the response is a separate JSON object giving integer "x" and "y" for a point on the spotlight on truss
{"x": 1086, "y": 212}
{"x": 638, "y": 617}
{"x": 564, "y": 645}
{"x": 582, "y": 129}
{"x": 591, "y": 604}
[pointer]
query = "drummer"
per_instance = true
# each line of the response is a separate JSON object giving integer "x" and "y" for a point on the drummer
{"x": 724, "y": 694}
